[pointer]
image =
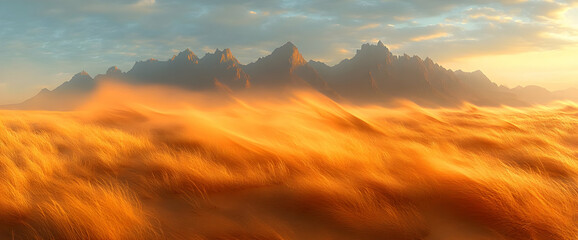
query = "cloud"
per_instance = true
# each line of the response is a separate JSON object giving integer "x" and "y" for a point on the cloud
{"x": 117, "y": 24}
{"x": 144, "y": 3}
{"x": 429, "y": 37}
{"x": 369, "y": 26}
{"x": 488, "y": 14}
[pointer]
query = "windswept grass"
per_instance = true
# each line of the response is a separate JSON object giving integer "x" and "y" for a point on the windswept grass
{"x": 300, "y": 169}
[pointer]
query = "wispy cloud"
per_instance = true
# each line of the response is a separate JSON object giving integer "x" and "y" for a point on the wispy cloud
{"x": 429, "y": 37}
{"x": 145, "y": 3}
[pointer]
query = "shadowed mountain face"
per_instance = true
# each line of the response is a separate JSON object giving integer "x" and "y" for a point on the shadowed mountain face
{"x": 285, "y": 67}
{"x": 373, "y": 76}
{"x": 186, "y": 70}
{"x": 487, "y": 92}
{"x": 81, "y": 82}
{"x": 67, "y": 96}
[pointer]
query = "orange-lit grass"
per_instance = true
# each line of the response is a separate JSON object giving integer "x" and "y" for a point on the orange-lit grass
{"x": 300, "y": 169}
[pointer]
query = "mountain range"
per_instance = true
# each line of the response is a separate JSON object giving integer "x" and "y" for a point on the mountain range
{"x": 373, "y": 76}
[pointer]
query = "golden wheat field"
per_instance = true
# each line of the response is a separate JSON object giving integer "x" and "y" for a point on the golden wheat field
{"x": 143, "y": 165}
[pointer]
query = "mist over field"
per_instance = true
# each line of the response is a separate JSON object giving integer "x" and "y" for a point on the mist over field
{"x": 152, "y": 163}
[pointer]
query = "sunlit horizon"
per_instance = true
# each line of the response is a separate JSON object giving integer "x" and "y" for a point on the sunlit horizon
{"x": 513, "y": 42}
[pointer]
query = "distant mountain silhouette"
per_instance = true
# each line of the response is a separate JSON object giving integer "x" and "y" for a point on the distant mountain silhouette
{"x": 114, "y": 72}
{"x": 567, "y": 94}
{"x": 373, "y": 76}
{"x": 285, "y": 67}
{"x": 66, "y": 96}
{"x": 533, "y": 94}
{"x": 187, "y": 71}
{"x": 486, "y": 92}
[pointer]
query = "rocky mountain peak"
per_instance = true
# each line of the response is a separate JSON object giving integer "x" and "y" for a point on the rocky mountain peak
{"x": 289, "y": 52}
{"x": 220, "y": 57}
{"x": 113, "y": 71}
{"x": 186, "y": 56}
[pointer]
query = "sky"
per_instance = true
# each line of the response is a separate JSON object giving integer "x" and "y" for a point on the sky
{"x": 43, "y": 43}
